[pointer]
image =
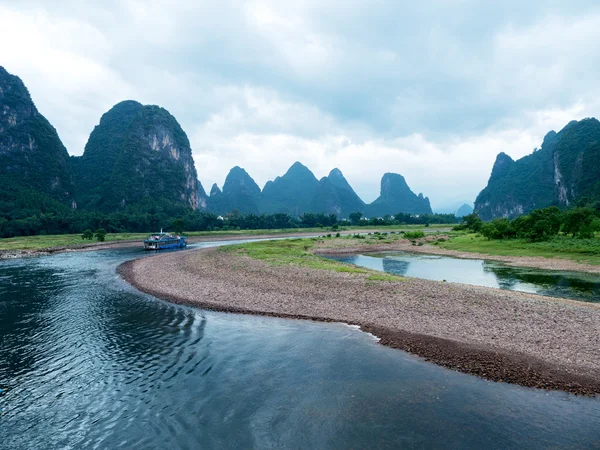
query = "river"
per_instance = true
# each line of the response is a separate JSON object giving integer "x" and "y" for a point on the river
{"x": 87, "y": 361}
{"x": 573, "y": 285}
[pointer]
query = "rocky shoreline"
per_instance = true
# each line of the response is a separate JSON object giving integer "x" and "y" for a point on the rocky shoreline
{"x": 499, "y": 335}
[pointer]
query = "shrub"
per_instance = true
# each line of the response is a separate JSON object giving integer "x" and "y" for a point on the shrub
{"x": 100, "y": 234}
{"x": 414, "y": 235}
{"x": 88, "y": 234}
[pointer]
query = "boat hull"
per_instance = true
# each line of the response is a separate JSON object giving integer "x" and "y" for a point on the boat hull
{"x": 165, "y": 245}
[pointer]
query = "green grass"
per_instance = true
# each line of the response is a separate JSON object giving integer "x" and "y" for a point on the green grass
{"x": 583, "y": 250}
{"x": 62, "y": 240}
{"x": 290, "y": 251}
{"x": 59, "y": 240}
{"x": 298, "y": 252}
{"x": 385, "y": 277}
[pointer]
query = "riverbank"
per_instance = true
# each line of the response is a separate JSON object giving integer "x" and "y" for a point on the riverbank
{"x": 499, "y": 335}
{"x": 585, "y": 251}
{"x": 45, "y": 245}
{"x": 38, "y": 245}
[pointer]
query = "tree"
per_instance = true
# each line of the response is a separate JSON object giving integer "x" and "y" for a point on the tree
{"x": 472, "y": 222}
{"x": 88, "y": 234}
{"x": 100, "y": 234}
{"x": 578, "y": 222}
{"x": 178, "y": 225}
{"x": 355, "y": 217}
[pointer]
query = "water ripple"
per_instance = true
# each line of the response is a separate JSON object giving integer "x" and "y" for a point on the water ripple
{"x": 88, "y": 362}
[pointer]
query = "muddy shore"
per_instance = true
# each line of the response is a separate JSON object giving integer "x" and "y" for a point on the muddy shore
{"x": 499, "y": 335}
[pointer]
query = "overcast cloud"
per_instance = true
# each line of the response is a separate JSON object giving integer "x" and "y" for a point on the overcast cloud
{"x": 432, "y": 91}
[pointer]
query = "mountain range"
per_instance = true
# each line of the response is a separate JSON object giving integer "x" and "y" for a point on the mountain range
{"x": 565, "y": 170}
{"x": 298, "y": 191}
{"x": 138, "y": 157}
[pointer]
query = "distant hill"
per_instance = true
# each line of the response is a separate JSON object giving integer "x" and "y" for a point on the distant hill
{"x": 298, "y": 191}
{"x": 397, "y": 197}
{"x": 137, "y": 155}
{"x": 464, "y": 210}
{"x": 334, "y": 195}
{"x": 566, "y": 168}
{"x": 240, "y": 192}
{"x": 34, "y": 169}
{"x": 291, "y": 193}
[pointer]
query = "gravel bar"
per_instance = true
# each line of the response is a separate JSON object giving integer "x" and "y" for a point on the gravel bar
{"x": 499, "y": 335}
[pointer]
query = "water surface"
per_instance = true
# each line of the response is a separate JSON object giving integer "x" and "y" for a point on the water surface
{"x": 89, "y": 362}
{"x": 573, "y": 285}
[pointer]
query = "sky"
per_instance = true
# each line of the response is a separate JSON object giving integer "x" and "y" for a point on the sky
{"x": 432, "y": 90}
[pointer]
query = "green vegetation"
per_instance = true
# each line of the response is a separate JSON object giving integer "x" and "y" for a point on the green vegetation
{"x": 35, "y": 164}
{"x": 87, "y": 234}
{"x": 100, "y": 234}
{"x": 582, "y": 250}
{"x": 60, "y": 240}
{"x": 63, "y": 240}
{"x": 540, "y": 225}
{"x": 297, "y": 252}
{"x": 572, "y": 155}
{"x": 137, "y": 155}
{"x": 291, "y": 251}
{"x": 384, "y": 277}
{"x": 414, "y": 235}
{"x": 547, "y": 232}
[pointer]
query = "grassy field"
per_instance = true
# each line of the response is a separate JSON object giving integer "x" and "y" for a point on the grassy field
{"x": 64, "y": 240}
{"x": 59, "y": 240}
{"x": 583, "y": 250}
{"x": 297, "y": 252}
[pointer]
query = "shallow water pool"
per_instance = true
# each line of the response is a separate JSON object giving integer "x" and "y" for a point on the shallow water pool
{"x": 573, "y": 285}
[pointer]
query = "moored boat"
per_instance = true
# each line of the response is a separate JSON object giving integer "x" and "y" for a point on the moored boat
{"x": 163, "y": 241}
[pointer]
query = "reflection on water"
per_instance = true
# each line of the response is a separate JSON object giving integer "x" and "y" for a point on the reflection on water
{"x": 89, "y": 362}
{"x": 574, "y": 285}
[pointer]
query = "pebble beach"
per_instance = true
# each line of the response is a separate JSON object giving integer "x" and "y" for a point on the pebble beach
{"x": 505, "y": 336}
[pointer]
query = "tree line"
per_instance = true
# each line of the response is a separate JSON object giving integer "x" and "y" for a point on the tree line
{"x": 28, "y": 222}
{"x": 539, "y": 225}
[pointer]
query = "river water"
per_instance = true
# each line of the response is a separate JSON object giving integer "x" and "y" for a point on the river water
{"x": 86, "y": 361}
{"x": 573, "y": 285}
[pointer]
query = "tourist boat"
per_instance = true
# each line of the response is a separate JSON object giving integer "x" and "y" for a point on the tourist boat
{"x": 162, "y": 241}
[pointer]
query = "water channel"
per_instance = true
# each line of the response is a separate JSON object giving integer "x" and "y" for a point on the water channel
{"x": 87, "y": 361}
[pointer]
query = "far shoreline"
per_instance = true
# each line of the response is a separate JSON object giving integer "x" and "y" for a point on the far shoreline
{"x": 421, "y": 321}
{"x": 107, "y": 245}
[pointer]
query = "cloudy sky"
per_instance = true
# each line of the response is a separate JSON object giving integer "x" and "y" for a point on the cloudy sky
{"x": 432, "y": 90}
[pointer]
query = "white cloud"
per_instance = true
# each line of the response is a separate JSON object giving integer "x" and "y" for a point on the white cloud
{"x": 433, "y": 91}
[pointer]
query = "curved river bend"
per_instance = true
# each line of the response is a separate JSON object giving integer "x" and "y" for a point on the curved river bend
{"x": 89, "y": 362}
